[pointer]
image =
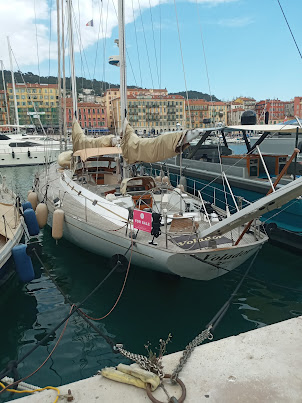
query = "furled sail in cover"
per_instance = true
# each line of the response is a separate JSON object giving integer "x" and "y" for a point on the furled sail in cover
{"x": 137, "y": 149}
{"x": 80, "y": 141}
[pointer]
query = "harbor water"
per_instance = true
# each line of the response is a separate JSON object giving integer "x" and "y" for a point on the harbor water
{"x": 151, "y": 307}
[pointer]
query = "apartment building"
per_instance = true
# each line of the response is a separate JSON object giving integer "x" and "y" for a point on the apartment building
{"x": 3, "y": 111}
{"x": 112, "y": 94}
{"x": 197, "y": 113}
{"x": 34, "y": 101}
{"x": 246, "y": 103}
{"x": 91, "y": 116}
{"x": 298, "y": 107}
{"x": 273, "y": 107}
{"x": 218, "y": 112}
{"x": 152, "y": 113}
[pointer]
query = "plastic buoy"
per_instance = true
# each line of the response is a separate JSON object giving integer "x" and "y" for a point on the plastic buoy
{"x": 157, "y": 179}
{"x": 31, "y": 222}
{"x": 57, "y": 224}
{"x": 24, "y": 266}
{"x": 33, "y": 199}
{"x": 26, "y": 205}
{"x": 42, "y": 214}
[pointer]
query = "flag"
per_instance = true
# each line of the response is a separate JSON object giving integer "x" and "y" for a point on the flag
{"x": 89, "y": 23}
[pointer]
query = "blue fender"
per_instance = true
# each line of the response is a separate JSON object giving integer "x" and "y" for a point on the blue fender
{"x": 24, "y": 266}
{"x": 26, "y": 205}
{"x": 31, "y": 222}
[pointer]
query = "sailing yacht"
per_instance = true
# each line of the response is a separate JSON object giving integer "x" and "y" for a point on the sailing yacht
{"x": 109, "y": 211}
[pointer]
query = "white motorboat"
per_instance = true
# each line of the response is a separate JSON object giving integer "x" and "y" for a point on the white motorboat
{"x": 20, "y": 149}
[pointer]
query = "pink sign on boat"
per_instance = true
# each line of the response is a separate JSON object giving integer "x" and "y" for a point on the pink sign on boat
{"x": 142, "y": 220}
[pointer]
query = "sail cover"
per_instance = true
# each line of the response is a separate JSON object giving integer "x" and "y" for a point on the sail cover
{"x": 137, "y": 149}
{"x": 80, "y": 141}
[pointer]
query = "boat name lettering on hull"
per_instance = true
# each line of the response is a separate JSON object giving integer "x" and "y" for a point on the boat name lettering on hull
{"x": 187, "y": 242}
{"x": 224, "y": 257}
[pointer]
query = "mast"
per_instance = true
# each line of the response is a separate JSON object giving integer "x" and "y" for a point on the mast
{"x": 13, "y": 82}
{"x": 123, "y": 79}
{"x": 59, "y": 75}
{"x": 64, "y": 78}
{"x": 71, "y": 50}
{"x": 5, "y": 96}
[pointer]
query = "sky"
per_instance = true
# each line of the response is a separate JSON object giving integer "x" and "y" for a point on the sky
{"x": 228, "y": 48}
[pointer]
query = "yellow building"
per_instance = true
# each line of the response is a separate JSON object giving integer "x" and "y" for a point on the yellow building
{"x": 197, "y": 113}
{"x": 218, "y": 112}
{"x": 3, "y": 111}
{"x": 153, "y": 114}
{"x": 246, "y": 103}
{"x": 33, "y": 100}
{"x": 113, "y": 94}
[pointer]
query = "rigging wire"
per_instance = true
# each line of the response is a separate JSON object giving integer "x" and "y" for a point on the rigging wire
{"x": 104, "y": 51}
{"x": 127, "y": 54}
{"x": 139, "y": 62}
{"x": 154, "y": 42}
{"x": 183, "y": 66}
{"x": 290, "y": 29}
{"x": 81, "y": 48}
{"x": 37, "y": 44}
{"x": 79, "y": 11}
{"x": 98, "y": 38}
{"x": 205, "y": 58}
{"x": 160, "y": 72}
{"x": 146, "y": 46}
{"x": 50, "y": 29}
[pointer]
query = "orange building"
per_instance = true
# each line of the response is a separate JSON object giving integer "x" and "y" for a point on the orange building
{"x": 91, "y": 116}
{"x": 197, "y": 113}
{"x": 3, "y": 111}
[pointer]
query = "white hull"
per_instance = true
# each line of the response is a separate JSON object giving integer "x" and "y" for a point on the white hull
{"x": 183, "y": 264}
{"x": 6, "y": 251}
{"x": 21, "y": 157}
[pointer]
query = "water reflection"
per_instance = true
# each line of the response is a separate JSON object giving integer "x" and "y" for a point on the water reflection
{"x": 152, "y": 306}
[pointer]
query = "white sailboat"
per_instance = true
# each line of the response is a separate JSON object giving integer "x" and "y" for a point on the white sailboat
{"x": 18, "y": 148}
{"x": 109, "y": 212}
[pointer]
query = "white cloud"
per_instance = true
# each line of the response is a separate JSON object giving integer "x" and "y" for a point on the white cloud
{"x": 17, "y": 20}
{"x": 213, "y": 2}
{"x": 18, "y": 17}
{"x": 236, "y": 22}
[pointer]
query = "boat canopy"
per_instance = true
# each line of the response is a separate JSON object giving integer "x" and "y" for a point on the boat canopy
{"x": 265, "y": 128}
{"x": 87, "y": 153}
{"x": 137, "y": 149}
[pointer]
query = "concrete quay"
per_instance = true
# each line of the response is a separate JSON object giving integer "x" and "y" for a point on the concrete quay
{"x": 263, "y": 365}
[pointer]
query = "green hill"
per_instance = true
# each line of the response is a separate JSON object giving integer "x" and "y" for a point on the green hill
{"x": 196, "y": 95}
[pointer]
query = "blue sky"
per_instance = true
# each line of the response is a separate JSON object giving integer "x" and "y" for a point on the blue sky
{"x": 248, "y": 47}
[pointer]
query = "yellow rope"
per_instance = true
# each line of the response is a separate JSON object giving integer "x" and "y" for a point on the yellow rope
{"x": 35, "y": 390}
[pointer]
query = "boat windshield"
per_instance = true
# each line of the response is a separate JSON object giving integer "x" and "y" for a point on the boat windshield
{"x": 23, "y": 144}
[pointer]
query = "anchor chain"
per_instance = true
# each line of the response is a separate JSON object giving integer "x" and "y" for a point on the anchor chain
{"x": 204, "y": 335}
{"x": 142, "y": 361}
